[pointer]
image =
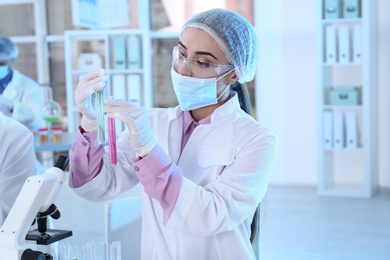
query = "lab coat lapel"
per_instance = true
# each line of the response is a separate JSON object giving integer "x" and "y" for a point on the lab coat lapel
{"x": 207, "y": 151}
{"x": 13, "y": 89}
{"x": 174, "y": 133}
{"x": 168, "y": 131}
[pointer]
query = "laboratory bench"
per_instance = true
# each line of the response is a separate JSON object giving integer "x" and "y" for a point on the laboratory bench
{"x": 62, "y": 143}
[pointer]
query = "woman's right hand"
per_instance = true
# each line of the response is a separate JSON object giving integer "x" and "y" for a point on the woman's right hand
{"x": 89, "y": 84}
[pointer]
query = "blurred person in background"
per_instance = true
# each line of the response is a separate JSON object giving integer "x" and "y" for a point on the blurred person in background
{"x": 20, "y": 96}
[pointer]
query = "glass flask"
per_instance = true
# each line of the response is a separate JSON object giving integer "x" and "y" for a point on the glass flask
{"x": 52, "y": 110}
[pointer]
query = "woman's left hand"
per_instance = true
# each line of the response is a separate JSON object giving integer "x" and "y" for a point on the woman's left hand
{"x": 137, "y": 120}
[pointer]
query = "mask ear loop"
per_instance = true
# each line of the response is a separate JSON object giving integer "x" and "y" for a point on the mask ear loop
{"x": 227, "y": 87}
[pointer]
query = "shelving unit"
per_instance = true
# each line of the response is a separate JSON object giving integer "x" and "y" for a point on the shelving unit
{"x": 128, "y": 79}
{"x": 347, "y": 120}
{"x": 37, "y": 38}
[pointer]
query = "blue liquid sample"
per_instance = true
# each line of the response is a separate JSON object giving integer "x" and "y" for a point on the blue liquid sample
{"x": 100, "y": 116}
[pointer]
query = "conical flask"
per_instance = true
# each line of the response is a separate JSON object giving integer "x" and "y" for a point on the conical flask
{"x": 51, "y": 111}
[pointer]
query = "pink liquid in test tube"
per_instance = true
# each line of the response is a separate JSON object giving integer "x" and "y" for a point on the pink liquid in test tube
{"x": 112, "y": 140}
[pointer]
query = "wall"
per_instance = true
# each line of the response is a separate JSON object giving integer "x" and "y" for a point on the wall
{"x": 286, "y": 96}
{"x": 383, "y": 48}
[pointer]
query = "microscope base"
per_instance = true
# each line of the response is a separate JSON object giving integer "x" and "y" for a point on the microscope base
{"x": 54, "y": 235}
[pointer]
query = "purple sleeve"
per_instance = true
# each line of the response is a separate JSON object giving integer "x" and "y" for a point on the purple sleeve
{"x": 85, "y": 159}
{"x": 160, "y": 177}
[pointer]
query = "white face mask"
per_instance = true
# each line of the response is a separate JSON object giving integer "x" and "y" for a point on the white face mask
{"x": 193, "y": 93}
{"x": 3, "y": 71}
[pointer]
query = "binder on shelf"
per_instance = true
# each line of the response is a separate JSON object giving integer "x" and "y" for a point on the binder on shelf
{"x": 134, "y": 89}
{"x": 330, "y": 45}
{"x": 118, "y": 86}
{"x": 134, "y": 52}
{"x": 332, "y": 9}
{"x": 338, "y": 130}
{"x": 118, "y": 90}
{"x": 351, "y": 129}
{"x": 351, "y": 8}
{"x": 345, "y": 96}
{"x": 344, "y": 56}
{"x": 119, "y": 52}
{"x": 328, "y": 130}
{"x": 89, "y": 61}
{"x": 357, "y": 43}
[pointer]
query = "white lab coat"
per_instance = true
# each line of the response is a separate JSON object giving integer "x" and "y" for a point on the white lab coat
{"x": 17, "y": 161}
{"x": 28, "y": 102}
{"x": 226, "y": 167}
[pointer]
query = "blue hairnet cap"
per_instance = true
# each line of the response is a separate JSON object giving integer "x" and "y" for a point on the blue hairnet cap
{"x": 8, "y": 49}
{"x": 234, "y": 35}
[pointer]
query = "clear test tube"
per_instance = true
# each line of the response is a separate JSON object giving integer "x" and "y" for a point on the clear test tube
{"x": 119, "y": 249}
{"x": 63, "y": 251}
{"x": 74, "y": 252}
{"x": 115, "y": 251}
{"x": 112, "y": 140}
{"x": 99, "y": 96}
{"x": 103, "y": 251}
{"x": 91, "y": 251}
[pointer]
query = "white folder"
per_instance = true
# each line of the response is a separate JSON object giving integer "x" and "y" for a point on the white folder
{"x": 330, "y": 45}
{"x": 119, "y": 86}
{"x": 357, "y": 43}
{"x": 119, "y": 92}
{"x": 338, "y": 130}
{"x": 119, "y": 52}
{"x": 344, "y": 42}
{"x": 134, "y": 89}
{"x": 328, "y": 130}
{"x": 351, "y": 129}
{"x": 133, "y": 52}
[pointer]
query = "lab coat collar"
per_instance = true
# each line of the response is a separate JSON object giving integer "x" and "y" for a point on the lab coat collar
{"x": 230, "y": 106}
{"x": 13, "y": 87}
{"x": 4, "y": 81}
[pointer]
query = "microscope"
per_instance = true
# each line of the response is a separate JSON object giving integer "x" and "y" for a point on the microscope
{"x": 34, "y": 204}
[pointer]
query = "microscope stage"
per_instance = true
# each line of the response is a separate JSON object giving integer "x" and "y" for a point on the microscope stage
{"x": 54, "y": 235}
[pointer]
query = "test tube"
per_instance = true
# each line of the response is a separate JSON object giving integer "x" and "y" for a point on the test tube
{"x": 112, "y": 140}
{"x": 91, "y": 251}
{"x": 100, "y": 116}
{"x": 103, "y": 251}
{"x": 74, "y": 252}
{"x": 115, "y": 251}
{"x": 63, "y": 251}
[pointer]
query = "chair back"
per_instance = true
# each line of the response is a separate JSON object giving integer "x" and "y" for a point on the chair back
{"x": 123, "y": 223}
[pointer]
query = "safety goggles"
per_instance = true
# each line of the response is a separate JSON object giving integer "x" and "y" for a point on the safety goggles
{"x": 198, "y": 68}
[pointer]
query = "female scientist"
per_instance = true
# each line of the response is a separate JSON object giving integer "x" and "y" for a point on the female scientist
{"x": 204, "y": 165}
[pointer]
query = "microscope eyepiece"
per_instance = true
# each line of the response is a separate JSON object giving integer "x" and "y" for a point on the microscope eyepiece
{"x": 62, "y": 162}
